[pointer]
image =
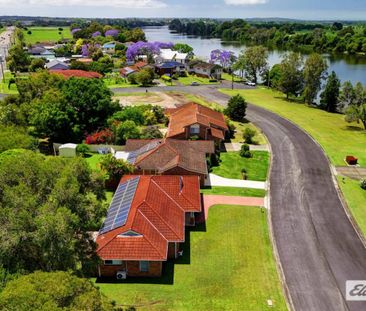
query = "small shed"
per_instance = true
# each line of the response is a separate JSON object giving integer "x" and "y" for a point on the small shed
{"x": 68, "y": 150}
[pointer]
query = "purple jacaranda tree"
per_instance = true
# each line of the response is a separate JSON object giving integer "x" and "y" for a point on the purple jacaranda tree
{"x": 96, "y": 34}
{"x": 75, "y": 30}
{"x": 223, "y": 57}
{"x": 88, "y": 49}
{"x": 112, "y": 33}
{"x": 146, "y": 48}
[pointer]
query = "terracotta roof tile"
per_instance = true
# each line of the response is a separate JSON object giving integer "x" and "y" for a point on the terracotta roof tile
{"x": 78, "y": 74}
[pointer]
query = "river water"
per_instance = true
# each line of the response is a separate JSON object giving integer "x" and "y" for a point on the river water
{"x": 347, "y": 67}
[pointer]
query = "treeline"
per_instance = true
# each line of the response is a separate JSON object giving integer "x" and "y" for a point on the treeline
{"x": 334, "y": 38}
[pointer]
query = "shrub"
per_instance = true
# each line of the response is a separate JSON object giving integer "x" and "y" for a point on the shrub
{"x": 232, "y": 129}
{"x": 132, "y": 78}
{"x": 244, "y": 173}
{"x": 151, "y": 132}
{"x": 248, "y": 135}
{"x": 127, "y": 130}
{"x": 100, "y": 137}
{"x": 236, "y": 108}
{"x": 82, "y": 149}
{"x": 115, "y": 168}
{"x": 133, "y": 113}
{"x": 166, "y": 78}
{"x": 363, "y": 184}
{"x": 245, "y": 151}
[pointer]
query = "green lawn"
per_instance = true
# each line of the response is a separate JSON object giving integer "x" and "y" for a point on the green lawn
{"x": 231, "y": 191}
{"x": 120, "y": 83}
{"x": 228, "y": 267}
{"x": 93, "y": 159}
{"x": 4, "y": 86}
{"x": 337, "y": 137}
{"x": 232, "y": 163}
{"x": 190, "y": 79}
{"x": 46, "y": 34}
{"x": 356, "y": 199}
{"x": 228, "y": 77}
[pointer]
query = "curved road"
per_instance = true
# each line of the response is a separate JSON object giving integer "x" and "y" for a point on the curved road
{"x": 317, "y": 245}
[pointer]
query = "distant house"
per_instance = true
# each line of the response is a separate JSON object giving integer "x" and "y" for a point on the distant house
{"x": 41, "y": 52}
{"x": 69, "y": 73}
{"x": 109, "y": 48}
{"x": 206, "y": 70}
{"x": 145, "y": 224}
{"x": 169, "y": 68}
{"x": 195, "y": 120}
{"x": 85, "y": 60}
{"x": 168, "y": 55}
{"x": 56, "y": 65}
{"x": 169, "y": 157}
{"x": 126, "y": 71}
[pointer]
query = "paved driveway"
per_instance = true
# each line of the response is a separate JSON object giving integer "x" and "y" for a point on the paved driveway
{"x": 317, "y": 245}
{"x": 218, "y": 181}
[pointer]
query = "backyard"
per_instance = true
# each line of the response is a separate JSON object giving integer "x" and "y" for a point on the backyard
{"x": 46, "y": 34}
{"x": 4, "y": 83}
{"x": 228, "y": 265}
{"x": 232, "y": 163}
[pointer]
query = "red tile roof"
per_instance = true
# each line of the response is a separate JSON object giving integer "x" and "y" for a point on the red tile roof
{"x": 78, "y": 73}
{"x": 217, "y": 133}
{"x": 157, "y": 215}
{"x": 133, "y": 68}
{"x": 172, "y": 153}
{"x": 193, "y": 113}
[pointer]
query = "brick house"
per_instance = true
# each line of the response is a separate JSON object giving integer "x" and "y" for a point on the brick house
{"x": 205, "y": 70}
{"x": 126, "y": 71}
{"x": 196, "y": 120}
{"x": 168, "y": 157}
{"x": 146, "y": 223}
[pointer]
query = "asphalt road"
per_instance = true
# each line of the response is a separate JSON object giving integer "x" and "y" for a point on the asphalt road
{"x": 5, "y": 43}
{"x": 317, "y": 245}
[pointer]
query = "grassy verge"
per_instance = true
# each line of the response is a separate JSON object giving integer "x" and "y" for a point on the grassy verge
{"x": 4, "y": 85}
{"x": 190, "y": 79}
{"x": 337, "y": 137}
{"x": 117, "y": 83}
{"x": 356, "y": 199}
{"x": 228, "y": 267}
{"x": 46, "y": 34}
{"x": 231, "y": 191}
{"x": 232, "y": 163}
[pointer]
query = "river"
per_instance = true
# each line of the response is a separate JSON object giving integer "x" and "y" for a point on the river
{"x": 347, "y": 67}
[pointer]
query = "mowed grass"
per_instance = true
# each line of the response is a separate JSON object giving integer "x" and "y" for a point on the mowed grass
{"x": 232, "y": 163}
{"x": 334, "y": 134}
{"x": 190, "y": 79}
{"x": 229, "y": 267}
{"x": 93, "y": 160}
{"x": 356, "y": 199}
{"x": 231, "y": 191}
{"x": 46, "y": 34}
{"x": 4, "y": 85}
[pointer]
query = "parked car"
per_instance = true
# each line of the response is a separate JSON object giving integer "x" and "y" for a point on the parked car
{"x": 195, "y": 84}
{"x": 250, "y": 84}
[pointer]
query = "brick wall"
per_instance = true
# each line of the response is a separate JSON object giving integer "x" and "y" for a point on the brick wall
{"x": 133, "y": 269}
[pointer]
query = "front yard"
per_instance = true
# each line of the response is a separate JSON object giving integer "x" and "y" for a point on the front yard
{"x": 231, "y": 191}
{"x": 228, "y": 267}
{"x": 232, "y": 164}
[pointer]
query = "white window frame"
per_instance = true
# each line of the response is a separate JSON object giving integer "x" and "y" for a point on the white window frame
{"x": 194, "y": 129}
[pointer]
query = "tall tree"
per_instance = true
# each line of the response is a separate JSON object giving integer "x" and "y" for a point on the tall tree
{"x": 347, "y": 95}
{"x": 236, "y": 108}
{"x": 253, "y": 61}
{"x": 18, "y": 59}
{"x": 291, "y": 79}
{"x": 315, "y": 70}
{"x": 330, "y": 97}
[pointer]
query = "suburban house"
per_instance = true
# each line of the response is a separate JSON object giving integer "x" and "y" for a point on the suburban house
{"x": 57, "y": 65}
{"x": 168, "y": 55}
{"x": 168, "y": 157}
{"x": 169, "y": 68}
{"x": 145, "y": 224}
{"x": 69, "y": 73}
{"x": 194, "y": 120}
{"x": 126, "y": 71}
{"x": 109, "y": 48}
{"x": 205, "y": 70}
{"x": 41, "y": 52}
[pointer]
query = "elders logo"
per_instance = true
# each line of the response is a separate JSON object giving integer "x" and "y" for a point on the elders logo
{"x": 356, "y": 290}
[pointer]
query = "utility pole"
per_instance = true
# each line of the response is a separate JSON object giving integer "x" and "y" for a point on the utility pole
{"x": 2, "y": 68}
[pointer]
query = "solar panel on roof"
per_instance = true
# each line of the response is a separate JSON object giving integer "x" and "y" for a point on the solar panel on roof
{"x": 135, "y": 154}
{"x": 120, "y": 205}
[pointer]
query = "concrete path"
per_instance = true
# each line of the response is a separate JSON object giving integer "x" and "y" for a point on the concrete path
{"x": 353, "y": 172}
{"x": 211, "y": 200}
{"x": 237, "y": 146}
{"x": 218, "y": 181}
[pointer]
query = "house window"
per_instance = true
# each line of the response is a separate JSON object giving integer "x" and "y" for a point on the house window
{"x": 113, "y": 262}
{"x": 144, "y": 266}
{"x": 195, "y": 129}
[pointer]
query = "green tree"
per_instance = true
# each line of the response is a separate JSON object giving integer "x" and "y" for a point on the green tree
{"x": 347, "y": 95}
{"x": 57, "y": 291}
{"x": 275, "y": 75}
{"x": 315, "y": 70}
{"x": 360, "y": 94}
{"x": 37, "y": 64}
{"x": 183, "y": 48}
{"x": 48, "y": 206}
{"x": 18, "y": 60}
{"x": 253, "y": 61}
{"x": 127, "y": 130}
{"x": 357, "y": 114}
{"x": 145, "y": 77}
{"x": 236, "y": 108}
{"x": 151, "y": 132}
{"x": 82, "y": 149}
{"x": 115, "y": 168}
{"x": 291, "y": 79}
{"x": 248, "y": 135}
{"x": 15, "y": 137}
{"x": 330, "y": 97}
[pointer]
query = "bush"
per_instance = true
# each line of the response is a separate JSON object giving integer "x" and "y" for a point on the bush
{"x": 127, "y": 130}
{"x": 151, "y": 132}
{"x": 133, "y": 113}
{"x": 244, "y": 173}
{"x": 245, "y": 151}
{"x": 82, "y": 149}
{"x": 248, "y": 135}
{"x": 236, "y": 109}
{"x": 166, "y": 78}
{"x": 100, "y": 137}
{"x": 132, "y": 78}
{"x": 363, "y": 184}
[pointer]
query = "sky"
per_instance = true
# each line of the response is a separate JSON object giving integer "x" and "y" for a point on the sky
{"x": 299, "y": 9}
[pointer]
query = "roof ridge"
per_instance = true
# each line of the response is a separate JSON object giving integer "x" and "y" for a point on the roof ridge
{"x": 147, "y": 153}
{"x": 139, "y": 211}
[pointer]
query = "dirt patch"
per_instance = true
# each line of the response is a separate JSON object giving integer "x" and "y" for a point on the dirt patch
{"x": 171, "y": 100}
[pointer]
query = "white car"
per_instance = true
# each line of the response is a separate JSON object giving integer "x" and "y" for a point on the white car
{"x": 251, "y": 84}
